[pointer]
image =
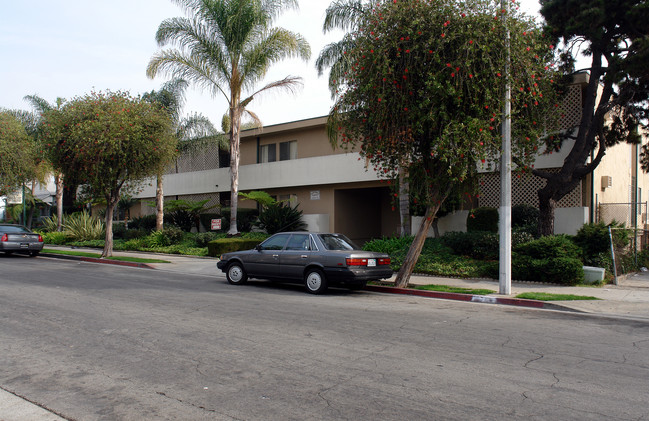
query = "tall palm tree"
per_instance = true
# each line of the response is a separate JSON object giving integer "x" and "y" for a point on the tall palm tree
{"x": 193, "y": 132}
{"x": 226, "y": 47}
{"x": 345, "y": 15}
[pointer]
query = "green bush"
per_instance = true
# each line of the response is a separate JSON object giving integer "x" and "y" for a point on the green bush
{"x": 203, "y": 238}
{"x": 50, "y": 223}
{"x": 82, "y": 226}
{"x": 525, "y": 218}
{"x": 594, "y": 239}
{"x": 245, "y": 219}
{"x": 119, "y": 230}
{"x": 224, "y": 245}
{"x": 146, "y": 223}
{"x": 130, "y": 234}
{"x": 55, "y": 237}
{"x": 169, "y": 236}
{"x": 281, "y": 217}
{"x": 478, "y": 244}
{"x": 390, "y": 245}
{"x": 482, "y": 219}
{"x": 550, "y": 247}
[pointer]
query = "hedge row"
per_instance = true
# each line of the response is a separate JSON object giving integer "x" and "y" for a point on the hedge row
{"x": 225, "y": 245}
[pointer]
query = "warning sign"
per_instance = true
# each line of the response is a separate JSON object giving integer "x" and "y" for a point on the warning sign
{"x": 216, "y": 224}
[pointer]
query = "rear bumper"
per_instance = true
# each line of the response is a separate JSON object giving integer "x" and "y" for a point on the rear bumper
{"x": 357, "y": 275}
{"x": 20, "y": 246}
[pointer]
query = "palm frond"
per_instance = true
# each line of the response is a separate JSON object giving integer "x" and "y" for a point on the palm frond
{"x": 344, "y": 14}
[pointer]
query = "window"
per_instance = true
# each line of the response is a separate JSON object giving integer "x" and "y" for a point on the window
{"x": 299, "y": 242}
{"x": 337, "y": 242}
{"x": 276, "y": 242}
{"x": 288, "y": 150}
{"x": 268, "y": 153}
{"x": 288, "y": 199}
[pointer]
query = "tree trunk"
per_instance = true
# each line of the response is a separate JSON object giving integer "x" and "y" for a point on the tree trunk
{"x": 159, "y": 204}
{"x": 108, "y": 243}
{"x": 546, "y": 212}
{"x": 58, "y": 180}
{"x": 415, "y": 248}
{"x": 404, "y": 203}
{"x": 235, "y": 117}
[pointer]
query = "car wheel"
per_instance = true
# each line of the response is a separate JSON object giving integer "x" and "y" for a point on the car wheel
{"x": 235, "y": 274}
{"x": 33, "y": 253}
{"x": 315, "y": 281}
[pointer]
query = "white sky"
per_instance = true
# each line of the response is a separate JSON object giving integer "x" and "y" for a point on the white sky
{"x": 66, "y": 48}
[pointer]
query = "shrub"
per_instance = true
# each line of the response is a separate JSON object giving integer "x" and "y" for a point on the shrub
{"x": 82, "y": 226}
{"x": 50, "y": 223}
{"x": 245, "y": 219}
{"x": 478, "y": 245}
{"x": 203, "y": 238}
{"x": 482, "y": 219}
{"x": 146, "y": 223}
{"x": 119, "y": 230}
{"x": 390, "y": 245}
{"x": 594, "y": 239}
{"x": 549, "y": 247}
{"x": 167, "y": 237}
{"x": 130, "y": 234}
{"x": 224, "y": 245}
{"x": 525, "y": 218}
{"x": 280, "y": 217}
{"x": 56, "y": 237}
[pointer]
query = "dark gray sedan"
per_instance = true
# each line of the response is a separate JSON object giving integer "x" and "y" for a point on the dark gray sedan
{"x": 315, "y": 259}
{"x": 20, "y": 239}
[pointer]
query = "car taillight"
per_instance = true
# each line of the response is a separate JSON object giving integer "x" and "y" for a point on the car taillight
{"x": 356, "y": 262}
{"x": 40, "y": 238}
{"x": 383, "y": 261}
{"x": 4, "y": 237}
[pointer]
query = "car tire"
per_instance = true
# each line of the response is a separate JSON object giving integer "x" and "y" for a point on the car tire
{"x": 315, "y": 281}
{"x": 33, "y": 253}
{"x": 235, "y": 274}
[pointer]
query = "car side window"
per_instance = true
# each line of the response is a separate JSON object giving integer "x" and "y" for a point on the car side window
{"x": 299, "y": 242}
{"x": 276, "y": 242}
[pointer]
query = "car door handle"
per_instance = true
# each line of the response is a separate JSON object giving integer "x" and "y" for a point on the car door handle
{"x": 275, "y": 256}
{"x": 304, "y": 256}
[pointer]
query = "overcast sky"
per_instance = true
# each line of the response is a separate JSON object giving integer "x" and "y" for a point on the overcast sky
{"x": 66, "y": 48}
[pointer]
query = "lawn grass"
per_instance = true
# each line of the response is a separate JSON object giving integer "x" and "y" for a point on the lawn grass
{"x": 458, "y": 290}
{"x": 544, "y": 296}
{"x": 98, "y": 255}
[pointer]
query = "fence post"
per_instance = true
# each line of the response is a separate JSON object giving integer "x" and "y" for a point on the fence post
{"x": 610, "y": 235}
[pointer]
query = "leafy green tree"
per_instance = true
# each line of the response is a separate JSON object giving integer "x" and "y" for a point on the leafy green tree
{"x": 426, "y": 89}
{"x": 614, "y": 34}
{"x": 185, "y": 213}
{"x": 108, "y": 141}
{"x": 17, "y": 154}
{"x": 41, "y": 106}
{"x": 193, "y": 132}
{"x": 226, "y": 47}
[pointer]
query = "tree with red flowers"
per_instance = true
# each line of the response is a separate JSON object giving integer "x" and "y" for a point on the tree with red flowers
{"x": 17, "y": 153}
{"x": 426, "y": 91}
{"x": 109, "y": 141}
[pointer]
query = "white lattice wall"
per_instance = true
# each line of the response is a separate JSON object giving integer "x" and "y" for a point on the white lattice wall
{"x": 571, "y": 108}
{"x": 525, "y": 189}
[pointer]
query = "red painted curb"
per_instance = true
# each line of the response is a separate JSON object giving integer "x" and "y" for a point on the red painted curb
{"x": 458, "y": 297}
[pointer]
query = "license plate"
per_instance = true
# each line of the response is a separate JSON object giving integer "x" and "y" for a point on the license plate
{"x": 371, "y": 262}
{"x": 24, "y": 245}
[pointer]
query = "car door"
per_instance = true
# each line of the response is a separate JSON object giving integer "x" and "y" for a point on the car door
{"x": 295, "y": 256}
{"x": 264, "y": 263}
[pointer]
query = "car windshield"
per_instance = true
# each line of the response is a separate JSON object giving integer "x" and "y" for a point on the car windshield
{"x": 13, "y": 228}
{"x": 337, "y": 242}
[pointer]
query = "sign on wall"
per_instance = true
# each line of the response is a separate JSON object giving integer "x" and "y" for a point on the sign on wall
{"x": 315, "y": 195}
{"x": 216, "y": 224}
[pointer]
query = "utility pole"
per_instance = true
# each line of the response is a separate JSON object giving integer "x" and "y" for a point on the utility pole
{"x": 505, "y": 225}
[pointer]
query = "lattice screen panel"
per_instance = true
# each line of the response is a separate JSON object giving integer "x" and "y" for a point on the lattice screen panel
{"x": 525, "y": 189}
{"x": 572, "y": 108}
{"x": 206, "y": 159}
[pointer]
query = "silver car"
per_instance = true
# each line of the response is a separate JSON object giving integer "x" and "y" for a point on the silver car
{"x": 20, "y": 239}
{"x": 315, "y": 259}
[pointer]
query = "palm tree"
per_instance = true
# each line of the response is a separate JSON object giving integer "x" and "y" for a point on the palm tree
{"x": 226, "y": 47}
{"x": 193, "y": 132}
{"x": 345, "y": 15}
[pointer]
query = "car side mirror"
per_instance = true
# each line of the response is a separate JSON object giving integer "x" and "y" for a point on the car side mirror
{"x": 258, "y": 247}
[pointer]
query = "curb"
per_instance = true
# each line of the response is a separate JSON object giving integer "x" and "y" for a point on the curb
{"x": 98, "y": 260}
{"x": 487, "y": 299}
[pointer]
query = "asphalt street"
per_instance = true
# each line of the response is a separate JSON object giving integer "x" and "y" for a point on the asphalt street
{"x": 100, "y": 342}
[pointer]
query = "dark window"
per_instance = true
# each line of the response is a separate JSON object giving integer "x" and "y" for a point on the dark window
{"x": 288, "y": 150}
{"x": 337, "y": 242}
{"x": 276, "y": 242}
{"x": 268, "y": 153}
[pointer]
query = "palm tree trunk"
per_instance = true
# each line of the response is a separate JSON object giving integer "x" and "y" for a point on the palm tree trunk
{"x": 58, "y": 180}
{"x": 235, "y": 117}
{"x": 159, "y": 204}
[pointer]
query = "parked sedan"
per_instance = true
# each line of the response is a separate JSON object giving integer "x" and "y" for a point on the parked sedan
{"x": 315, "y": 259}
{"x": 17, "y": 238}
